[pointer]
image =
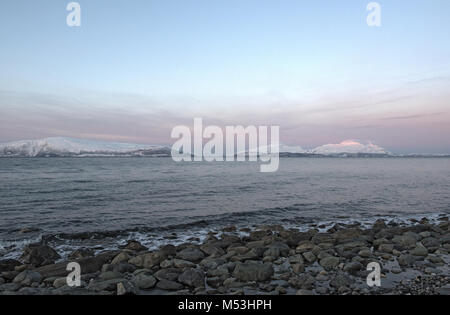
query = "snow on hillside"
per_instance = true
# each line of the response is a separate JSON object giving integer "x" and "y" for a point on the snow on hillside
{"x": 351, "y": 147}
{"x": 72, "y": 146}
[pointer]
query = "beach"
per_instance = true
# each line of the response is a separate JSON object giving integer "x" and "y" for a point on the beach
{"x": 267, "y": 260}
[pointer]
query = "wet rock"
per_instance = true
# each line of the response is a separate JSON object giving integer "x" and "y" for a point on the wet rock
{"x": 309, "y": 257}
{"x": 144, "y": 280}
{"x": 253, "y": 271}
{"x": 304, "y": 281}
{"x": 135, "y": 246}
{"x": 28, "y": 277}
{"x": 88, "y": 265}
{"x": 148, "y": 260}
{"x": 420, "y": 250}
{"x": 39, "y": 255}
{"x": 122, "y": 257}
{"x": 193, "y": 278}
{"x": 211, "y": 249}
{"x": 323, "y": 238}
{"x": 109, "y": 275}
{"x": 191, "y": 254}
{"x": 104, "y": 285}
{"x": 59, "y": 282}
{"x": 386, "y": 248}
{"x": 330, "y": 262}
{"x": 341, "y": 280}
{"x": 169, "y": 285}
{"x": 353, "y": 267}
{"x": 406, "y": 240}
{"x": 9, "y": 264}
{"x": 126, "y": 288}
{"x": 298, "y": 268}
{"x": 168, "y": 274}
{"x": 406, "y": 260}
{"x": 81, "y": 253}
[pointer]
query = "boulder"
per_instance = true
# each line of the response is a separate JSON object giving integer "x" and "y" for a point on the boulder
{"x": 39, "y": 255}
{"x": 192, "y": 277}
{"x": 253, "y": 271}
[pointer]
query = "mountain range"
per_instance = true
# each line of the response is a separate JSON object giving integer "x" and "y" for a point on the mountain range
{"x": 66, "y": 147}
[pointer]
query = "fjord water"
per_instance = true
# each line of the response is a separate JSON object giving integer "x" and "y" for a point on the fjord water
{"x": 47, "y": 196}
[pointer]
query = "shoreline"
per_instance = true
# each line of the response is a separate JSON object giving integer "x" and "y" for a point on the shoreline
{"x": 331, "y": 259}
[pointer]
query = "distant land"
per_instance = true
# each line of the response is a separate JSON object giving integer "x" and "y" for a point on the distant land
{"x": 73, "y": 147}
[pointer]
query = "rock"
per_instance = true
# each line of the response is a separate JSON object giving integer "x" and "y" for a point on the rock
{"x": 11, "y": 287}
{"x": 81, "y": 253}
{"x": 406, "y": 241}
{"x": 144, "y": 280}
{"x": 210, "y": 249}
{"x": 323, "y": 238}
{"x": 148, "y": 260}
{"x": 122, "y": 257}
{"x": 168, "y": 274}
{"x": 193, "y": 278}
{"x": 9, "y": 264}
{"x": 344, "y": 235}
{"x": 109, "y": 275}
{"x": 445, "y": 290}
{"x": 180, "y": 263}
{"x": 298, "y": 268}
{"x": 59, "y": 282}
{"x": 39, "y": 255}
{"x": 277, "y": 249}
{"x": 420, "y": 250}
{"x": 386, "y": 248}
{"x": 379, "y": 225}
{"x": 253, "y": 271}
{"x": 168, "y": 263}
{"x": 341, "y": 281}
{"x": 168, "y": 285}
{"x": 28, "y": 277}
{"x": 191, "y": 254}
{"x": 135, "y": 246}
{"x": 406, "y": 260}
{"x": 105, "y": 285}
{"x": 353, "y": 267}
{"x": 296, "y": 259}
{"x": 329, "y": 262}
{"x": 304, "y": 292}
{"x": 366, "y": 253}
{"x": 304, "y": 281}
{"x": 126, "y": 288}
{"x": 310, "y": 257}
{"x": 88, "y": 265}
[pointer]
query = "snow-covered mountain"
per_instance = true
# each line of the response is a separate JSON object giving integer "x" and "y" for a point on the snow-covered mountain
{"x": 350, "y": 147}
{"x": 62, "y": 146}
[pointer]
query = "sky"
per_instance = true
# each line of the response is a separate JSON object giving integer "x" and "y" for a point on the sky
{"x": 135, "y": 69}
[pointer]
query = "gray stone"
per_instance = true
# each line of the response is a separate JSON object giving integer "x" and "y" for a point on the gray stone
{"x": 28, "y": 277}
{"x": 39, "y": 255}
{"x": 191, "y": 254}
{"x": 126, "y": 288}
{"x": 144, "y": 280}
{"x": 193, "y": 278}
{"x": 253, "y": 271}
{"x": 329, "y": 262}
{"x": 168, "y": 285}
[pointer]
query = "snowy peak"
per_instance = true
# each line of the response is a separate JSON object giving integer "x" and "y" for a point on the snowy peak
{"x": 61, "y": 146}
{"x": 350, "y": 147}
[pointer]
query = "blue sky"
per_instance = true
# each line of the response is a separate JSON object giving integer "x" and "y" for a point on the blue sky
{"x": 134, "y": 69}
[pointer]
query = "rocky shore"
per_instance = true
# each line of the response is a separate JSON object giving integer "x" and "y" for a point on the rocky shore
{"x": 269, "y": 260}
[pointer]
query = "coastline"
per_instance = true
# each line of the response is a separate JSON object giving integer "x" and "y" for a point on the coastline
{"x": 273, "y": 259}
